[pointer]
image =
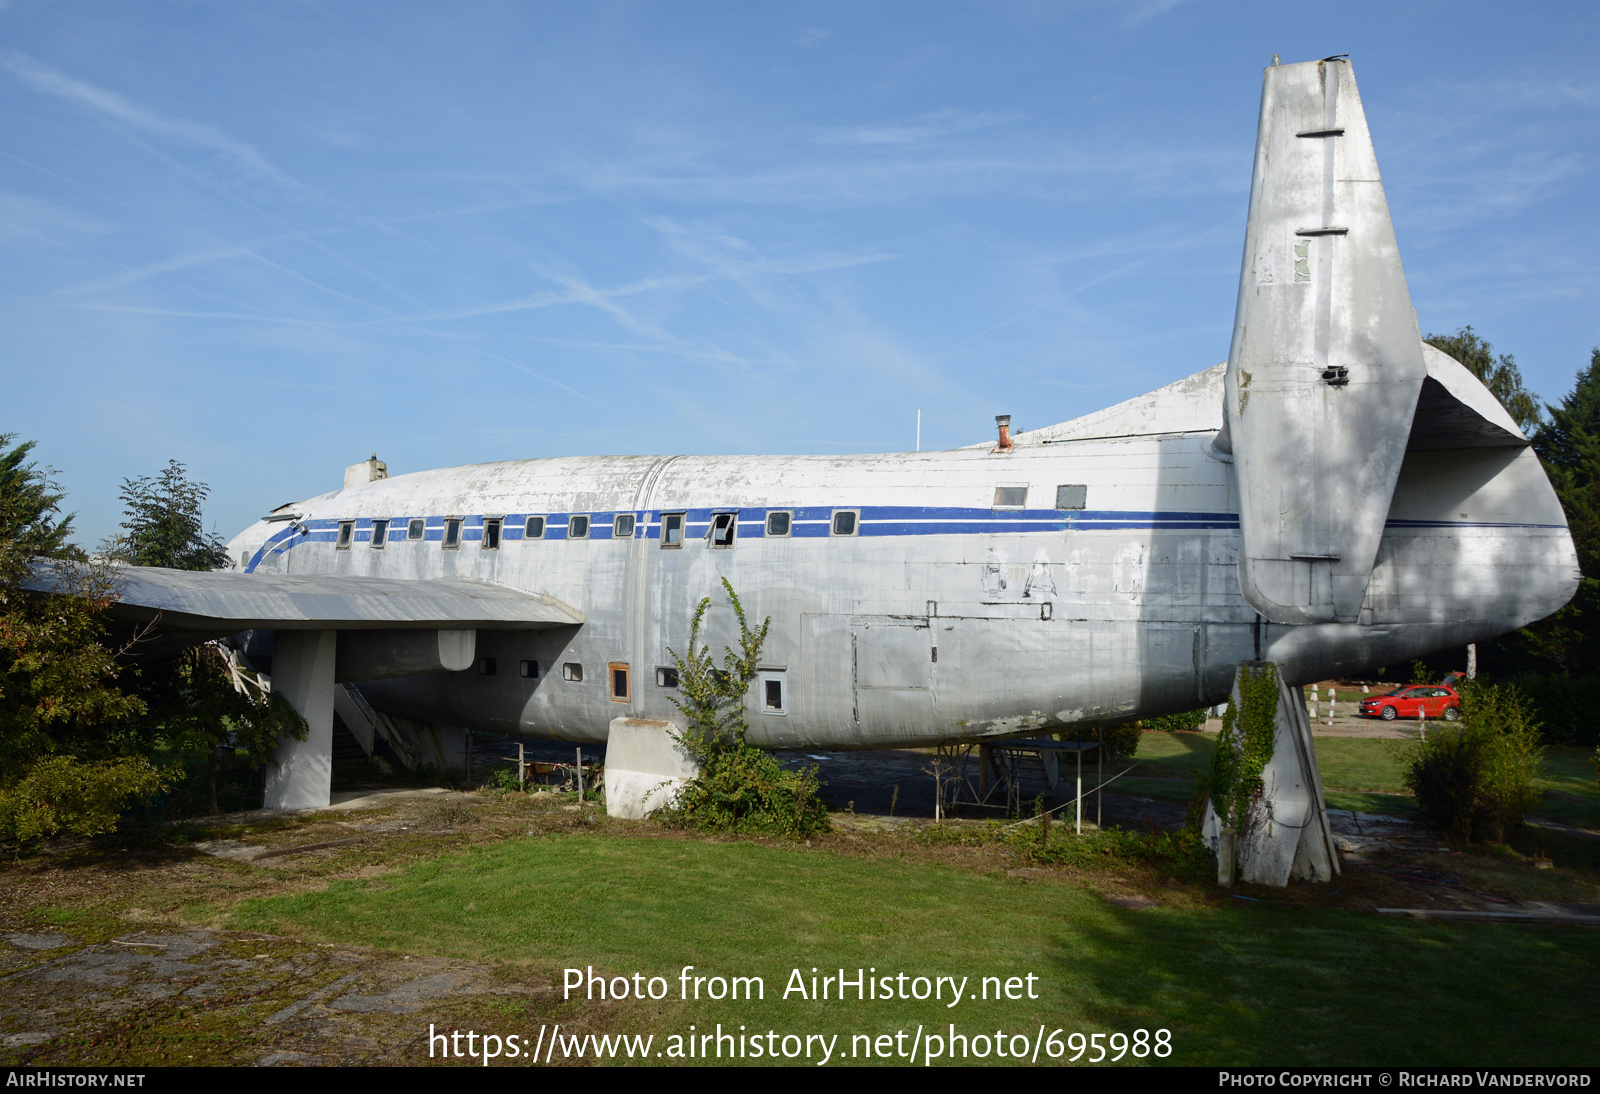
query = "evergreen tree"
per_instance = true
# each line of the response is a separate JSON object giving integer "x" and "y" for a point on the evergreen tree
{"x": 1569, "y": 446}
{"x": 161, "y": 523}
{"x": 67, "y": 758}
{"x": 197, "y": 704}
{"x": 1499, "y": 374}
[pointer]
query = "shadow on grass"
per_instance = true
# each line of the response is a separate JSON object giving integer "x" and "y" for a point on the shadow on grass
{"x": 1273, "y": 984}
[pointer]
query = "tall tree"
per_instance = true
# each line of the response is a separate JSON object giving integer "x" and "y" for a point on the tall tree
{"x": 198, "y": 701}
{"x": 1499, "y": 374}
{"x": 162, "y": 526}
{"x": 59, "y": 698}
{"x": 1569, "y": 445}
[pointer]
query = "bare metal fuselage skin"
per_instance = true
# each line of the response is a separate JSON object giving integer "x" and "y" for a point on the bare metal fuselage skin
{"x": 944, "y": 617}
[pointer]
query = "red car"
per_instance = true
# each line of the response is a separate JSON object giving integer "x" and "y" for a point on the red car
{"x": 1416, "y": 701}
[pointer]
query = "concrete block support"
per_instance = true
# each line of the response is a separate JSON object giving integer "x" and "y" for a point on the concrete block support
{"x": 646, "y": 767}
{"x": 1285, "y": 833}
{"x": 301, "y": 774}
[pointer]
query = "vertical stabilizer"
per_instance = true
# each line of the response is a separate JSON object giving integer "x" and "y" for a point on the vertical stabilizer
{"x": 1326, "y": 362}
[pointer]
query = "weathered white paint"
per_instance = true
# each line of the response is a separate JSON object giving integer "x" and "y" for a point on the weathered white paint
{"x": 1285, "y": 833}
{"x": 1324, "y": 371}
{"x": 646, "y": 767}
{"x": 300, "y": 775}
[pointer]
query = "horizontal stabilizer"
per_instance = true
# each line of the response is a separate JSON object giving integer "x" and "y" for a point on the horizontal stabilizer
{"x": 227, "y": 602}
{"x": 1455, "y": 410}
{"x": 1325, "y": 367}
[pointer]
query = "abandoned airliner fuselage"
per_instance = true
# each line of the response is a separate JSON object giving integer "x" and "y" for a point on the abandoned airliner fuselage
{"x": 1335, "y": 497}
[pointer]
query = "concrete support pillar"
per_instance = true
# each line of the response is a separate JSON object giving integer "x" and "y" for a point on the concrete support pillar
{"x": 646, "y": 767}
{"x": 301, "y": 773}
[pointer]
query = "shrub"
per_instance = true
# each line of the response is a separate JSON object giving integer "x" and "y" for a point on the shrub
{"x": 1187, "y": 721}
{"x": 739, "y": 788}
{"x": 62, "y": 796}
{"x": 1121, "y": 739}
{"x": 1474, "y": 780}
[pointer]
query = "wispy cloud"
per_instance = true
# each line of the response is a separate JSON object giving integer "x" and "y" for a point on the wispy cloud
{"x": 925, "y": 127}
{"x": 40, "y": 77}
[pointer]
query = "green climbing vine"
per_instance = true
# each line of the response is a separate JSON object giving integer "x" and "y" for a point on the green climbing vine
{"x": 1244, "y": 746}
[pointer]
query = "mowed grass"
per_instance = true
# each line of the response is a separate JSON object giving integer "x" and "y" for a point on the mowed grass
{"x": 1236, "y": 982}
{"x": 1360, "y": 773}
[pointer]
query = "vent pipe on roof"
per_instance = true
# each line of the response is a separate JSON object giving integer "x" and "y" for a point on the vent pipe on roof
{"x": 369, "y": 470}
{"x": 1004, "y": 422}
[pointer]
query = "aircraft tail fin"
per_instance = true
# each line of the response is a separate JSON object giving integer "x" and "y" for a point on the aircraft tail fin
{"x": 1326, "y": 363}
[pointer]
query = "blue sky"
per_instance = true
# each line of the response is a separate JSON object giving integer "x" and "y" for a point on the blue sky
{"x": 269, "y": 239}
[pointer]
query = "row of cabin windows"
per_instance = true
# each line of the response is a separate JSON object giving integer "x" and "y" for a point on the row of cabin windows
{"x": 619, "y": 680}
{"x": 721, "y": 533}
{"x": 724, "y": 526}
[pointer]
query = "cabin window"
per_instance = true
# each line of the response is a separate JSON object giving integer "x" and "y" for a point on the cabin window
{"x": 1010, "y": 497}
{"x": 619, "y": 682}
{"x": 347, "y": 529}
{"x": 380, "y": 533}
{"x": 528, "y": 670}
{"x": 671, "y": 530}
{"x": 534, "y": 529}
{"x": 622, "y": 527}
{"x": 244, "y": 559}
{"x": 414, "y": 529}
{"x": 578, "y": 528}
{"x": 452, "y": 534}
{"x": 491, "y": 534}
{"x": 845, "y": 522}
{"x": 666, "y": 677}
{"x": 772, "y": 694}
{"x": 722, "y": 529}
{"x": 1072, "y": 497}
{"x": 778, "y": 522}
{"x": 572, "y": 671}
{"x": 486, "y": 666}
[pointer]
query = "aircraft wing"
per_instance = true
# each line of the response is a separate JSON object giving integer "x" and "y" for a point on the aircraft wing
{"x": 226, "y": 602}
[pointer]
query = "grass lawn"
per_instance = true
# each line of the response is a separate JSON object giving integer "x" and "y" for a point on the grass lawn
{"x": 1237, "y": 982}
{"x": 1360, "y": 773}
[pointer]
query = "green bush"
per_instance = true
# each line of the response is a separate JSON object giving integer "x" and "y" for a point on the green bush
{"x": 1474, "y": 780}
{"x": 1186, "y": 722}
{"x": 739, "y": 788}
{"x": 743, "y": 790}
{"x": 61, "y": 796}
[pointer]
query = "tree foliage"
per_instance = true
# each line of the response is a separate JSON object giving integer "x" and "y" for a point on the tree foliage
{"x": 59, "y": 698}
{"x": 739, "y": 788}
{"x": 202, "y": 702}
{"x": 1499, "y": 374}
{"x": 198, "y": 701}
{"x": 1569, "y": 445}
{"x": 161, "y": 523}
